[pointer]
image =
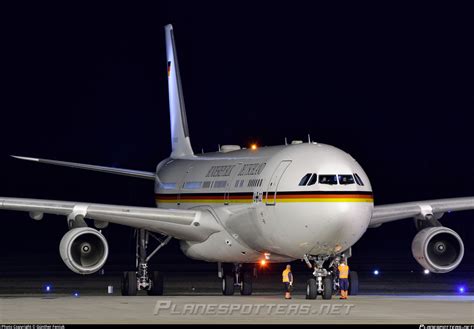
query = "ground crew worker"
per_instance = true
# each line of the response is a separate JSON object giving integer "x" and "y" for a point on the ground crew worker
{"x": 287, "y": 278}
{"x": 343, "y": 269}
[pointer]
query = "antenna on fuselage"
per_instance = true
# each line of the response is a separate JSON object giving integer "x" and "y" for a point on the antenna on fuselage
{"x": 286, "y": 141}
{"x": 309, "y": 139}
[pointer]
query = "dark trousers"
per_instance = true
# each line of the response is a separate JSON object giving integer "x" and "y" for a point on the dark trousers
{"x": 344, "y": 284}
{"x": 287, "y": 286}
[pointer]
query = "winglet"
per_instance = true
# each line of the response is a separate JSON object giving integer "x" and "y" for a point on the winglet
{"x": 180, "y": 141}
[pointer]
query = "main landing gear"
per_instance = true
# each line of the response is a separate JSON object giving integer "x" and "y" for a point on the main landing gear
{"x": 325, "y": 281}
{"x": 236, "y": 275}
{"x": 142, "y": 279}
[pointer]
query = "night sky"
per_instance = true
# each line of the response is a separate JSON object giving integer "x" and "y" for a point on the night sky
{"x": 391, "y": 85}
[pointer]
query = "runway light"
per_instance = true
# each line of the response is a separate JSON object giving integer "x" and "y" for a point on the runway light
{"x": 253, "y": 146}
{"x": 48, "y": 288}
{"x": 426, "y": 271}
{"x": 376, "y": 272}
{"x": 461, "y": 289}
{"x": 75, "y": 294}
{"x": 263, "y": 262}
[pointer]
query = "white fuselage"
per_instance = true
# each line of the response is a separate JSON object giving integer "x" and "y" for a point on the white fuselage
{"x": 256, "y": 197}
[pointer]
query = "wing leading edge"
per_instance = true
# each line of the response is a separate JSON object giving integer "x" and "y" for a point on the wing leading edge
{"x": 419, "y": 209}
{"x": 190, "y": 225}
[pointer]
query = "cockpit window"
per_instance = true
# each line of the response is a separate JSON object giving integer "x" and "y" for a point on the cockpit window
{"x": 328, "y": 179}
{"x": 304, "y": 180}
{"x": 358, "y": 180}
{"x": 313, "y": 180}
{"x": 346, "y": 179}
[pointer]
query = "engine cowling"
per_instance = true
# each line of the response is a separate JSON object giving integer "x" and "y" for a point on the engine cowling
{"x": 438, "y": 249}
{"x": 84, "y": 250}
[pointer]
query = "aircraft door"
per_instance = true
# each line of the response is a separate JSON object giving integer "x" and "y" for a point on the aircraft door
{"x": 231, "y": 183}
{"x": 272, "y": 187}
{"x": 181, "y": 186}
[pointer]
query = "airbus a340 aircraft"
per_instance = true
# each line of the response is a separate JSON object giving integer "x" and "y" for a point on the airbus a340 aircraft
{"x": 238, "y": 207}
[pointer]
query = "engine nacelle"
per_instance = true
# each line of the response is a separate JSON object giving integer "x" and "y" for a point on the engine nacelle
{"x": 438, "y": 249}
{"x": 84, "y": 250}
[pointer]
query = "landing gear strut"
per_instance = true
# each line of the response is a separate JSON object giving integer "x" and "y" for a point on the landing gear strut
{"x": 142, "y": 279}
{"x": 236, "y": 275}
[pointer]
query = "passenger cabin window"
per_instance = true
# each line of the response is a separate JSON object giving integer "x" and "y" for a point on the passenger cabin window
{"x": 346, "y": 179}
{"x": 313, "y": 180}
{"x": 304, "y": 180}
{"x": 192, "y": 185}
{"x": 358, "y": 180}
{"x": 328, "y": 179}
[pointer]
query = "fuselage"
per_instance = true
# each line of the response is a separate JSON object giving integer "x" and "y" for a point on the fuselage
{"x": 286, "y": 201}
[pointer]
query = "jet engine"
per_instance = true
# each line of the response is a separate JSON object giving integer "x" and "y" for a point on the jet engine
{"x": 438, "y": 249}
{"x": 84, "y": 250}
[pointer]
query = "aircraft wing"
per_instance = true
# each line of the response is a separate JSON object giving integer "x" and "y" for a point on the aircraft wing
{"x": 190, "y": 225}
{"x": 419, "y": 209}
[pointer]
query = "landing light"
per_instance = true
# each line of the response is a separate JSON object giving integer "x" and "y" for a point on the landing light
{"x": 263, "y": 262}
{"x": 376, "y": 272}
{"x": 426, "y": 271}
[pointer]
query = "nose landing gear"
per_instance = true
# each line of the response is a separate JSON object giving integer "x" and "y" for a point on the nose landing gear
{"x": 325, "y": 281}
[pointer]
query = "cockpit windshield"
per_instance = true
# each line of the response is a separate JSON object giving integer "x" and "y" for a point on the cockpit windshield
{"x": 346, "y": 179}
{"x": 328, "y": 179}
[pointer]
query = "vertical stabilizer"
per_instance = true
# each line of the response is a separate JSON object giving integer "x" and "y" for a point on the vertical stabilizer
{"x": 180, "y": 142}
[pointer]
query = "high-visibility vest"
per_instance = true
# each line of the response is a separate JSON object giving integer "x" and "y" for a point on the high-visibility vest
{"x": 343, "y": 271}
{"x": 286, "y": 275}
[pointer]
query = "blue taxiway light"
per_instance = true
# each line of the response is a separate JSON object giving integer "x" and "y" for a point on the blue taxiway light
{"x": 376, "y": 272}
{"x": 461, "y": 289}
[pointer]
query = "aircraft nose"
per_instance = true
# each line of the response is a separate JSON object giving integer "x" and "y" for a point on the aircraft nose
{"x": 343, "y": 226}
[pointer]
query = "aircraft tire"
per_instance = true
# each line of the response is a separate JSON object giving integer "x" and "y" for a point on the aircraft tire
{"x": 311, "y": 289}
{"x": 129, "y": 284}
{"x": 156, "y": 285}
{"x": 228, "y": 282}
{"x": 327, "y": 284}
{"x": 353, "y": 283}
{"x": 246, "y": 286}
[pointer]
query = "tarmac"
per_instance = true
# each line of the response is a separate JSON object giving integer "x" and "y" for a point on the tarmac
{"x": 196, "y": 298}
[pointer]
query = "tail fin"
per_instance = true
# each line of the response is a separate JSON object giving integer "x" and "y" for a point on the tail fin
{"x": 180, "y": 142}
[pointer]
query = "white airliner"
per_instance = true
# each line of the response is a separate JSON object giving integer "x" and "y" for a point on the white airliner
{"x": 239, "y": 207}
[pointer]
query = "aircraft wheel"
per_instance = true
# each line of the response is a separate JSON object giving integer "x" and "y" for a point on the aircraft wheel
{"x": 311, "y": 289}
{"x": 353, "y": 283}
{"x": 228, "y": 282}
{"x": 327, "y": 285}
{"x": 246, "y": 284}
{"x": 129, "y": 284}
{"x": 156, "y": 284}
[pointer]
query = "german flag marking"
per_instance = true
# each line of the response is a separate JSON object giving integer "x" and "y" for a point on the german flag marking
{"x": 246, "y": 197}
